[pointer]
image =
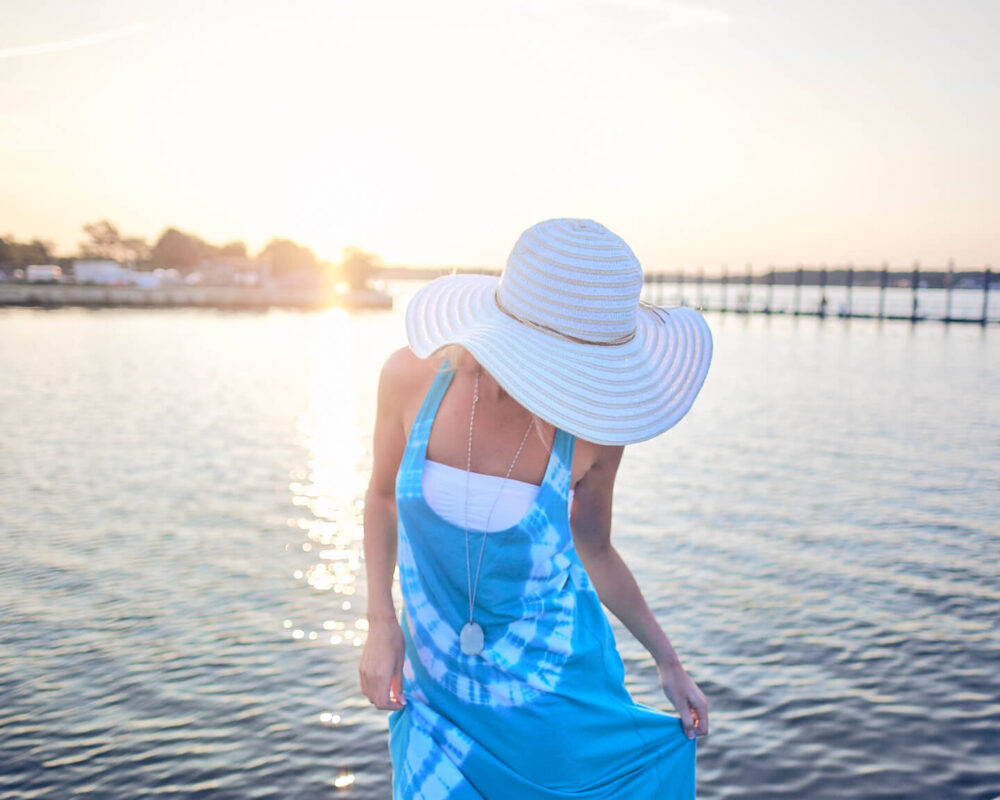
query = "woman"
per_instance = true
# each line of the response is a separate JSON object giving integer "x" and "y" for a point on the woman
{"x": 498, "y": 436}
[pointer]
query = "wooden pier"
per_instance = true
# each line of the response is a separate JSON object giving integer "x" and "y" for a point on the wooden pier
{"x": 670, "y": 288}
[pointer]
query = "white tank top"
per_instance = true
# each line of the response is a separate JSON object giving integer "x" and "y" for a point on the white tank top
{"x": 444, "y": 491}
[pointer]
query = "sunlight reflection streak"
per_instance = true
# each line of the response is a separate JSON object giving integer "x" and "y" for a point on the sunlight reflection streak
{"x": 331, "y": 489}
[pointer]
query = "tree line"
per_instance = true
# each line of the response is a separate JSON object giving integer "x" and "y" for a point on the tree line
{"x": 186, "y": 252}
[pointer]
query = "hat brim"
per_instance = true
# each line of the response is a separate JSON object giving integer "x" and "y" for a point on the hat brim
{"x": 614, "y": 394}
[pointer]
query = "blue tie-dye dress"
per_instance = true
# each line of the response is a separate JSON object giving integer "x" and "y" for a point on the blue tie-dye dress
{"x": 542, "y": 712}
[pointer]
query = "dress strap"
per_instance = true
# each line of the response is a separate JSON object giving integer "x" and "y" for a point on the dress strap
{"x": 558, "y": 474}
{"x": 564, "y": 444}
{"x": 416, "y": 444}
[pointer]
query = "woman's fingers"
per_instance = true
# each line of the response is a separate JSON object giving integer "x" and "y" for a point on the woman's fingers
{"x": 699, "y": 709}
{"x": 701, "y": 714}
{"x": 379, "y": 687}
{"x": 691, "y": 705}
{"x": 381, "y": 668}
{"x": 378, "y": 691}
{"x": 397, "y": 686}
{"x": 687, "y": 721}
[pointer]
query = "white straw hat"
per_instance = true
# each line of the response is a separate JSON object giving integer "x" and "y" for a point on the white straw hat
{"x": 564, "y": 333}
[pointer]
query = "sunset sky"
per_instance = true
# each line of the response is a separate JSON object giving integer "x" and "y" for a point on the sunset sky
{"x": 433, "y": 132}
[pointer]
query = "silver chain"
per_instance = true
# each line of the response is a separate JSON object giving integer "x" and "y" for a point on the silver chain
{"x": 473, "y": 588}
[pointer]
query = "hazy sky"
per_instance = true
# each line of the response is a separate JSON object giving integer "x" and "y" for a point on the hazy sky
{"x": 433, "y": 132}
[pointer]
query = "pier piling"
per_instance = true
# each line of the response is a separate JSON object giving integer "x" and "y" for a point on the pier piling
{"x": 949, "y": 284}
{"x": 986, "y": 295}
{"x": 883, "y": 282}
{"x": 850, "y": 291}
{"x": 821, "y": 311}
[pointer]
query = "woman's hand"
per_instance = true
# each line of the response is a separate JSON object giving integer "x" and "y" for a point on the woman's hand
{"x": 381, "y": 668}
{"x": 686, "y": 697}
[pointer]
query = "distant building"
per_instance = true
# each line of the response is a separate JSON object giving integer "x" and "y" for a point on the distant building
{"x": 168, "y": 276}
{"x": 111, "y": 273}
{"x": 234, "y": 270}
{"x": 145, "y": 280}
{"x": 309, "y": 279}
{"x": 102, "y": 271}
{"x": 36, "y": 273}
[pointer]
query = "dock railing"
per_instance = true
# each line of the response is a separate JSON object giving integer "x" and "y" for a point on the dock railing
{"x": 917, "y": 295}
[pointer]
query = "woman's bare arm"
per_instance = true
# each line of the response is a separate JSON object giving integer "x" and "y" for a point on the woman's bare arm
{"x": 381, "y": 664}
{"x": 616, "y": 586}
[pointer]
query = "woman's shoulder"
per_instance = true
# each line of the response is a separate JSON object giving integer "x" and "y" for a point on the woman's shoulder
{"x": 591, "y": 459}
{"x": 403, "y": 372}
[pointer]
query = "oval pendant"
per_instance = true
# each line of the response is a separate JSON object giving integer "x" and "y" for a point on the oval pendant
{"x": 470, "y": 639}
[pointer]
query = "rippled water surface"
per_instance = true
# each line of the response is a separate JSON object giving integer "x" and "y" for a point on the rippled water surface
{"x": 182, "y": 590}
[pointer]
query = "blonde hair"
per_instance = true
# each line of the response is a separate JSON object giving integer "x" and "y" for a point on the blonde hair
{"x": 454, "y": 354}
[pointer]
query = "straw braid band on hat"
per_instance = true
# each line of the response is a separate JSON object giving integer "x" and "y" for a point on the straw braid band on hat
{"x": 563, "y": 331}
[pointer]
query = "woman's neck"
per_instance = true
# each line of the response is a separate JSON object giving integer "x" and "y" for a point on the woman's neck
{"x": 489, "y": 389}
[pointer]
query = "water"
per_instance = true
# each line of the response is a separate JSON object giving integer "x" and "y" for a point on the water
{"x": 182, "y": 592}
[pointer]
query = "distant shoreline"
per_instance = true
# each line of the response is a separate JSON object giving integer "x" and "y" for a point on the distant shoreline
{"x": 55, "y": 295}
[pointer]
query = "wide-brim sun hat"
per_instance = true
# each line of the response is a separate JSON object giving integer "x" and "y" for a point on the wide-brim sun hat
{"x": 564, "y": 332}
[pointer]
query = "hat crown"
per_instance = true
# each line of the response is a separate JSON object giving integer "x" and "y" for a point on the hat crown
{"x": 573, "y": 277}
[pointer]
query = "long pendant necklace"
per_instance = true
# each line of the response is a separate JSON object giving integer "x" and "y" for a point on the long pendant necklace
{"x": 470, "y": 638}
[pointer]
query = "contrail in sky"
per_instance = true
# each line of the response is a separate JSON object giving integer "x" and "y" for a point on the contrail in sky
{"x": 70, "y": 44}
